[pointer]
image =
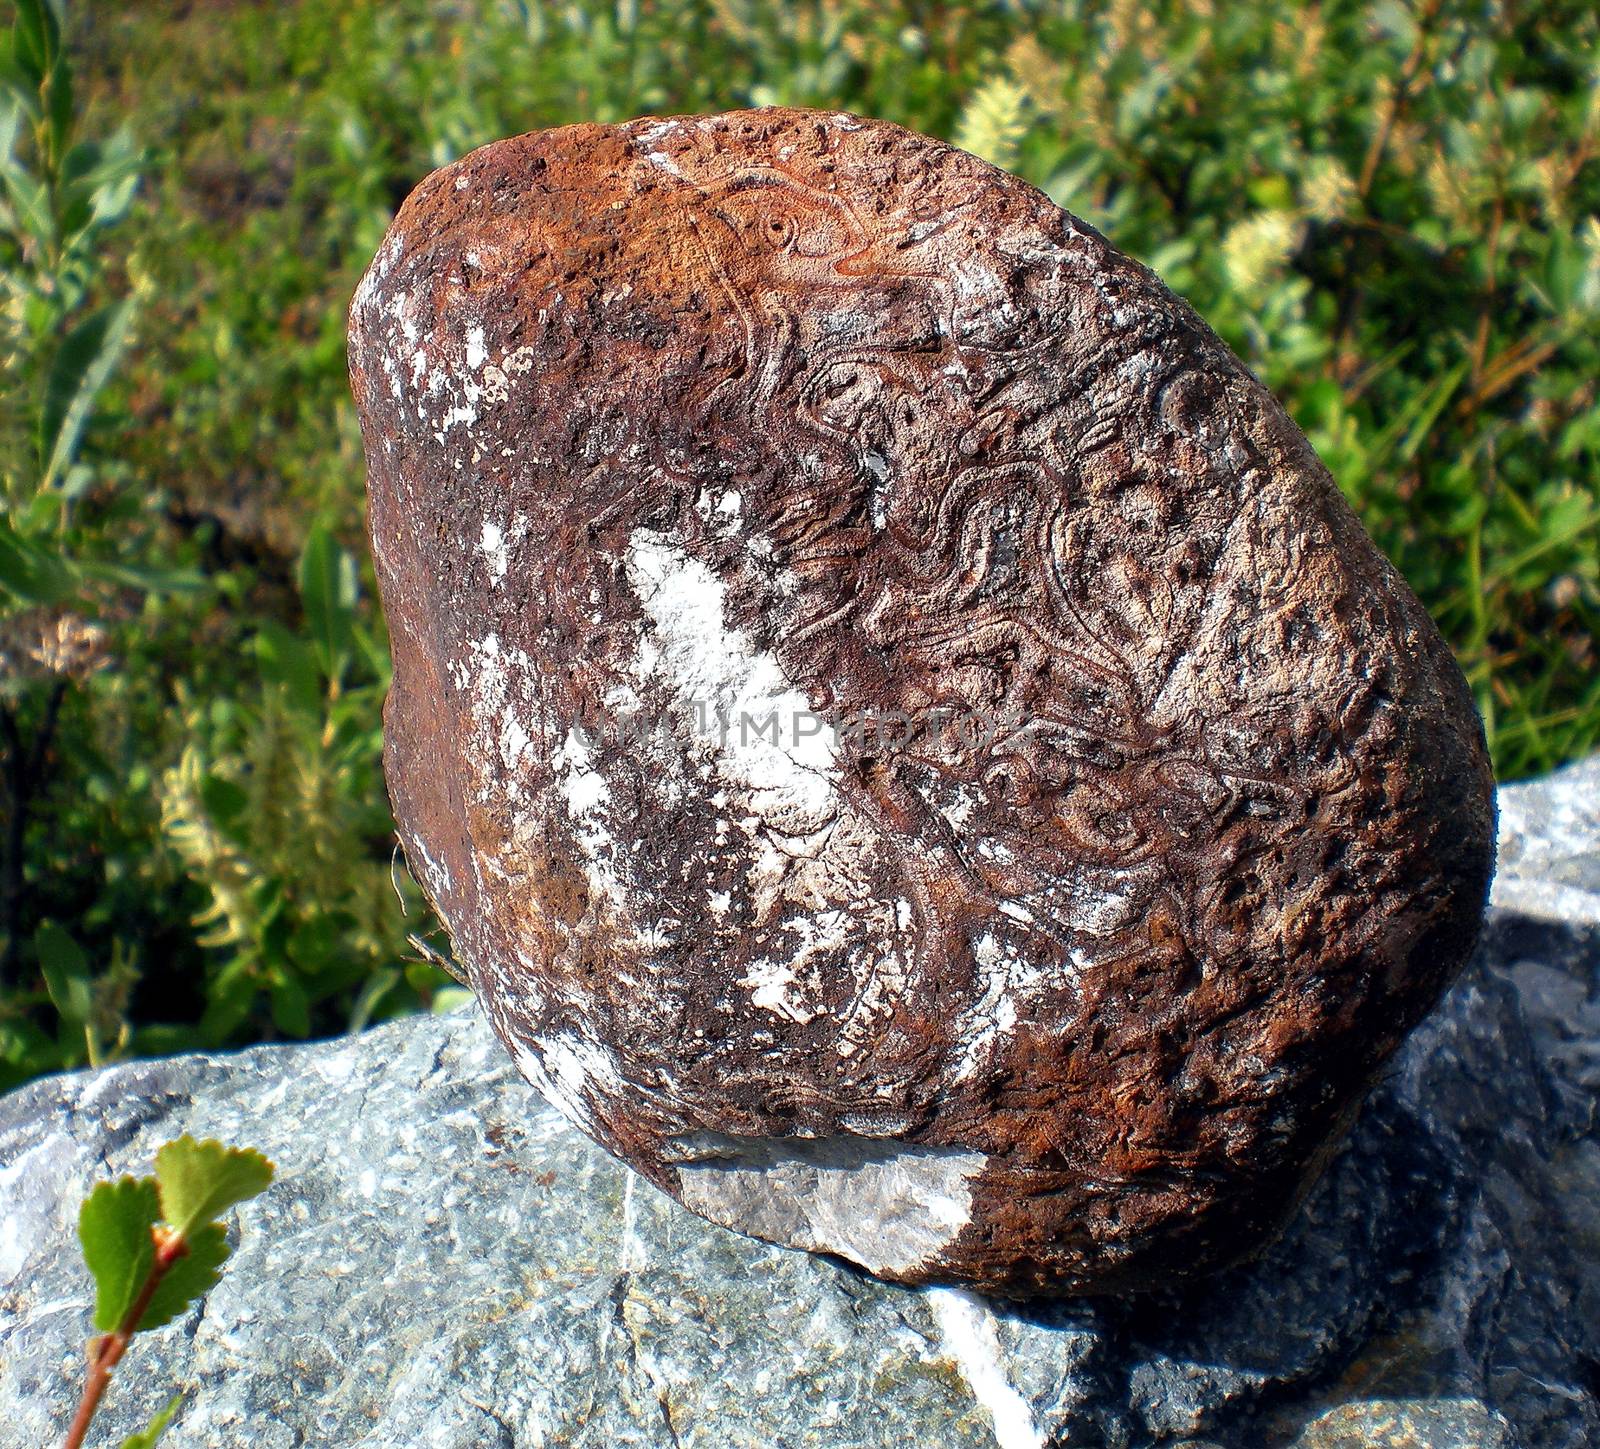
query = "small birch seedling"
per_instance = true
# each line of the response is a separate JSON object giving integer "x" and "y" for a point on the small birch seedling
{"x": 153, "y": 1246}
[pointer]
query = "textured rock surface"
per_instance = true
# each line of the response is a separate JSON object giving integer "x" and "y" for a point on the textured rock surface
{"x": 872, "y": 667}
{"x": 444, "y": 1262}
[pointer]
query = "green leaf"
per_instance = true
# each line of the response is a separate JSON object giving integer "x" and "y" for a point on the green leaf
{"x": 230, "y": 995}
{"x": 277, "y": 925}
{"x": 378, "y": 985}
{"x": 291, "y": 1008}
{"x": 60, "y": 92}
{"x": 225, "y": 802}
{"x": 36, "y": 37}
{"x": 290, "y": 662}
{"x": 30, "y": 573}
{"x": 98, "y": 182}
{"x": 25, "y": 1047}
{"x": 147, "y": 1436}
{"x": 190, "y": 1277}
{"x": 22, "y": 95}
{"x": 30, "y": 201}
{"x": 147, "y": 580}
{"x": 328, "y": 594}
{"x": 164, "y": 1039}
{"x": 199, "y": 1181}
{"x": 448, "y": 998}
{"x": 81, "y": 367}
{"x": 66, "y": 972}
{"x": 11, "y": 110}
{"x": 114, "y": 1227}
{"x": 1431, "y": 402}
{"x": 314, "y": 943}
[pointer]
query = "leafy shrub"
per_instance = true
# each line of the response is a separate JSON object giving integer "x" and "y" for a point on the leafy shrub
{"x": 277, "y": 808}
{"x": 197, "y": 850}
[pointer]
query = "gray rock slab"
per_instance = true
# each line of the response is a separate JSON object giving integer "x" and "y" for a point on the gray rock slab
{"x": 443, "y": 1262}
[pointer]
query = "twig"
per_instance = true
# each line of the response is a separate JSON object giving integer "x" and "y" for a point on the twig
{"x": 106, "y": 1351}
{"x": 1480, "y": 343}
{"x": 1398, "y": 98}
{"x": 1519, "y": 358}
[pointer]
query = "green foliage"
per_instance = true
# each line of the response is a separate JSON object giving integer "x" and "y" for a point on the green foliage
{"x": 66, "y": 973}
{"x": 148, "y": 1437}
{"x": 199, "y": 1181}
{"x": 153, "y": 1247}
{"x": 124, "y": 1225}
{"x": 1390, "y": 211}
{"x": 67, "y": 560}
{"x": 328, "y": 596}
{"x": 189, "y": 1278}
{"x": 81, "y": 367}
{"x": 114, "y": 1227}
{"x": 277, "y": 809}
{"x": 994, "y": 121}
{"x": 59, "y": 195}
{"x": 166, "y": 697}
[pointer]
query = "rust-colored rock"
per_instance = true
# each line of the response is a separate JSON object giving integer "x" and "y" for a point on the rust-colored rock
{"x": 1124, "y": 811}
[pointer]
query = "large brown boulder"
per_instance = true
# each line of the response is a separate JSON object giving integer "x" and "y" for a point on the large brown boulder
{"x": 914, "y": 752}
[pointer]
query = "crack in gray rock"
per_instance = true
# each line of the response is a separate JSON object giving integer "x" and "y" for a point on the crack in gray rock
{"x": 639, "y": 1358}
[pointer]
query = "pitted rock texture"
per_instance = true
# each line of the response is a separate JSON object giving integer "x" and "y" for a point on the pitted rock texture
{"x": 914, "y": 752}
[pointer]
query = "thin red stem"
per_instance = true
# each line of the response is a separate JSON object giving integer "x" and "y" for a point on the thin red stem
{"x": 106, "y": 1351}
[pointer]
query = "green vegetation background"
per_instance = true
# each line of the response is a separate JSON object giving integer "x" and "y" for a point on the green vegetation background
{"x": 1388, "y": 209}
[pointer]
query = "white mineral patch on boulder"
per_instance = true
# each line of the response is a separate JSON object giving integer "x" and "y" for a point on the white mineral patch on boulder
{"x": 883, "y": 1205}
{"x": 761, "y": 733}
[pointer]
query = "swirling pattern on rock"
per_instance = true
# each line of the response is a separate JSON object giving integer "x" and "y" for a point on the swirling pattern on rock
{"x": 913, "y": 750}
